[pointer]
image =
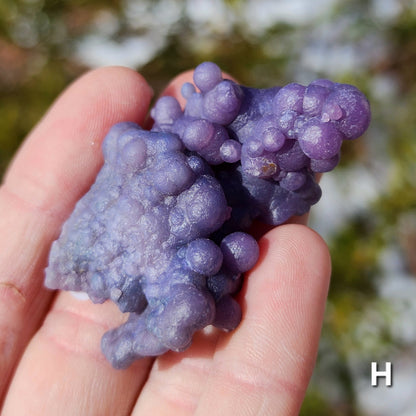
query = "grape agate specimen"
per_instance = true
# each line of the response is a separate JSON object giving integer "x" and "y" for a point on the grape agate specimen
{"x": 163, "y": 231}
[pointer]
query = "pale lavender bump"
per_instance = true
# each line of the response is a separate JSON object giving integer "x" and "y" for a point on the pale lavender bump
{"x": 206, "y": 138}
{"x": 111, "y": 143}
{"x": 355, "y": 109}
{"x": 289, "y": 97}
{"x": 230, "y": 151}
{"x": 187, "y": 90}
{"x": 292, "y": 181}
{"x": 204, "y": 256}
{"x": 199, "y": 210}
{"x": 254, "y": 147}
{"x": 314, "y": 99}
{"x": 198, "y": 134}
{"x": 320, "y": 140}
{"x": 273, "y": 140}
{"x": 173, "y": 175}
{"x": 291, "y": 157}
{"x": 286, "y": 122}
{"x": 166, "y": 111}
{"x": 240, "y": 251}
{"x": 207, "y": 75}
{"x": 222, "y": 104}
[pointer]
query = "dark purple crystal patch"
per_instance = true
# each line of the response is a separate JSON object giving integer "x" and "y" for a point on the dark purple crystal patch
{"x": 163, "y": 230}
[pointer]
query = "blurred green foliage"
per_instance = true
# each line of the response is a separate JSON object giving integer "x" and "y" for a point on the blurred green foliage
{"x": 38, "y": 59}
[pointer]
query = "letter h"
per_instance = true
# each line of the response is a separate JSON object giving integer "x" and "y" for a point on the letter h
{"x": 375, "y": 373}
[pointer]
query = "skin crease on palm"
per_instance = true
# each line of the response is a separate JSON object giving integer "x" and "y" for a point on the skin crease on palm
{"x": 50, "y": 358}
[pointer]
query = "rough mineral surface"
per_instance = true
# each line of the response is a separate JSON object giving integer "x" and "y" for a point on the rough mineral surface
{"x": 163, "y": 230}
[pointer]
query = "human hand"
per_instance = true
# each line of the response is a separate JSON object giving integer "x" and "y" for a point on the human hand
{"x": 50, "y": 358}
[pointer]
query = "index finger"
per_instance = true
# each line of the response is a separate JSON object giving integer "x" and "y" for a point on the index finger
{"x": 54, "y": 167}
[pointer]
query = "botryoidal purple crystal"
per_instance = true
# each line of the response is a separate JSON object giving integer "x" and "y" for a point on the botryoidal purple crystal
{"x": 163, "y": 230}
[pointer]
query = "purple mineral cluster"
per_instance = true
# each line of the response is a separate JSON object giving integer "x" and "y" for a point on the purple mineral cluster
{"x": 163, "y": 230}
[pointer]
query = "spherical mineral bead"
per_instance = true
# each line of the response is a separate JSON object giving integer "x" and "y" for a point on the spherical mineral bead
{"x": 204, "y": 256}
{"x": 230, "y": 151}
{"x": 350, "y": 108}
{"x": 270, "y": 134}
{"x": 273, "y": 140}
{"x": 160, "y": 142}
{"x": 289, "y": 97}
{"x": 286, "y": 123}
{"x": 111, "y": 140}
{"x": 185, "y": 309}
{"x": 200, "y": 210}
{"x": 291, "y": 157}
{"x": 187, "y": 90}
{"x": 198, "y": 165}
{"x": 240, "y": 251}
{"x": 166, "y": 110}
{"x": 207, "y": 75}
{"x": 173, "y": 174}
{"x": 293, "y": 181}
{"x": 198, "y": 134}
{"x": 205, "y": 138}
{"x": 222, "y": 103}
{"x": 331, "y": 111}
{"x": 134, "y": 155}
{"x": 314, "y": 99}
{"x": 254, "y": 148}
{"x": 319, "y": 140}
